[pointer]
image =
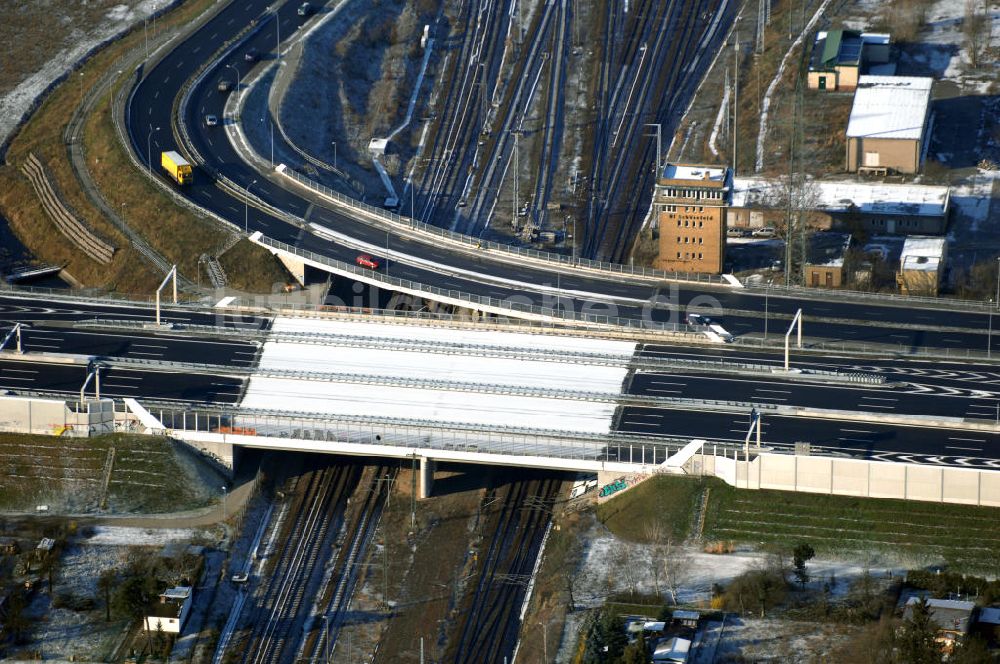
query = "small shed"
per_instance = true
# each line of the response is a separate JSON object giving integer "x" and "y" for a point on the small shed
{"x": 9, "y": 546}
{"x": 686, "y": 618}
{"x": 672, "y": 651}
{"x": 922, "y": 265}
{"x": 171, "y": 612}
{"x": 952, "y": 617}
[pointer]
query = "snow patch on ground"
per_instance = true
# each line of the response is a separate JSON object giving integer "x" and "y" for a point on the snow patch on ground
{"x": 15, "y": 103}
{"x": 129, "y": 536}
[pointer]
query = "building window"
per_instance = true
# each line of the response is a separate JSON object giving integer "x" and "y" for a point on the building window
{"x": 701, "y": 240}
{"x": 678, "y": 254}
{"x": 699, "y": 254}
{"x": 700, "y": 224}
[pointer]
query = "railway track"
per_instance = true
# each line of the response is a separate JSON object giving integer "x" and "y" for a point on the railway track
{"x": 277, "y": 609}
{"x": 335, "y": 599}
{"x": 492, "y": 613}
{"x": 454, "y": 144}
{"x": 680, "y": 39}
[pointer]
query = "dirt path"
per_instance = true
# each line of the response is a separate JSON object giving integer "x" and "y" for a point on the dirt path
{"x": 199, "y": 518}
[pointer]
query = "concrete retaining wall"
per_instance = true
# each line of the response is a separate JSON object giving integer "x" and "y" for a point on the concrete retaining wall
{"x": 857, "y": 477}
{"x": 55, "y": 417}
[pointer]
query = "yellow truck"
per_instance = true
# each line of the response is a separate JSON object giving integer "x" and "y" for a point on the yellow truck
{"x": 178, "y": 167}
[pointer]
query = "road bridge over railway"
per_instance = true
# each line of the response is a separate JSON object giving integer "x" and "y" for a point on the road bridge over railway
{"x": 440, "y": 388}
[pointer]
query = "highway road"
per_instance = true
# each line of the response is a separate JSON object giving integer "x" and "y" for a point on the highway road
{"x": 959, "y": 390}
{"x": 27, "y": 307}
{"x": 937, "y": 373}
{"x": 891, "y": 399}
{"x": 67, "y": 379}
{"x": 862, "y": 439}
{"x": 851, "y": 321}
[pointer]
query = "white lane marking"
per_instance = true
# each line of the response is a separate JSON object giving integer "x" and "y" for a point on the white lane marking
{"x": 968, "y": 440}
{"x": 643, "y": 424}
{"x": 149, "y": 346}
{"x": 761, "y": 389}
{"x": 967, "y": 449}
{"x": 651, "y": 389}
{"x": 25, "y": 371}
{"x": 879, "y": 399}
{"x": 856, "y": 431}
{"x": 149, "y": 354}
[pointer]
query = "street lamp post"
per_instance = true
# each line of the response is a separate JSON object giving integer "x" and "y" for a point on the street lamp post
{"x": 149, "y": 150}
{"x": 334, "y": 155}
{"x": 767, "y": 291}
{"x": 123, "y": 217}
{"x": 224, "y": 493}
{"x": 998, "y": 282}
{"x": 239, "y": 80}
{"x": 989, "y": 334}
{"x": 246, "y": 209}
{"x": 545, "y": 642}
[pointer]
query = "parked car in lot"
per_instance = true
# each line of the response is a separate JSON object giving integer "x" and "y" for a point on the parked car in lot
{"x": 698, "y": 319}
{"x": 766, "y": 231}
{"x": 364, "y": 260}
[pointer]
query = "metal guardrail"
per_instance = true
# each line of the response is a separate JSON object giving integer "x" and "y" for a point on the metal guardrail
{"x": 885, "y": 298}
{"x": 464, "y": 299}
{"x": 424, "y": 434}
{"x": 410, "y": 225}
{"x": 439, "y": 385}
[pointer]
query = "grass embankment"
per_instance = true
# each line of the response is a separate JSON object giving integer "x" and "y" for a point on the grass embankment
{"x": 962, "y": 535}
{"x": 253, "y": 269}
{"x": 178, "y": 234}
{"x": 68, "y": 473}
{"x": 917, "y": 533}
{"x": 664, "y": 502}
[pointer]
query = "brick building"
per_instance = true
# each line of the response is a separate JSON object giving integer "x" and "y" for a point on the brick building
{"x": 691, "y": 202}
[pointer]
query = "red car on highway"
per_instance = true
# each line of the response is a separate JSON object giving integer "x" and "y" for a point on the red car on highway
{"x": 364, "y": 260}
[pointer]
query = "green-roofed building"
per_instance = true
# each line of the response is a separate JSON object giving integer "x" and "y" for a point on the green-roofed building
{"x": 840, "y": 56}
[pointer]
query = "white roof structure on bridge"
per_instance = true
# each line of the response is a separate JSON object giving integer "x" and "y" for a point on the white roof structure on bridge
{"x": 324, "y": 350}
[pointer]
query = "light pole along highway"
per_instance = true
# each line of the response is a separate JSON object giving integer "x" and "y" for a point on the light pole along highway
{"x": 487, "y": 273}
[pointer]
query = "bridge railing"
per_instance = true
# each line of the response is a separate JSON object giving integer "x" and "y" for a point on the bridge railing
{"x": 414, "y": 226}
{"x": 478, "y": 302}
{"x": 423, "y": 434}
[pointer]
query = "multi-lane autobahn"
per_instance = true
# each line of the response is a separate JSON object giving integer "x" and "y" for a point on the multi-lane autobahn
{"x": 942, "y": 412}
{"x": 426, "y": 261}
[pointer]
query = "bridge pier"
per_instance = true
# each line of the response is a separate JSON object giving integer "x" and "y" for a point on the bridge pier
{"x": 426, "y": 478}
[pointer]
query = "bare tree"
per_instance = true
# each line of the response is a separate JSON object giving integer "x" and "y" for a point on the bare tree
{"x": 657, "y": 540}
{"x": 976, "y": 29}
{"x": 677, "y": 562}
{"x": 625, "y": 566}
